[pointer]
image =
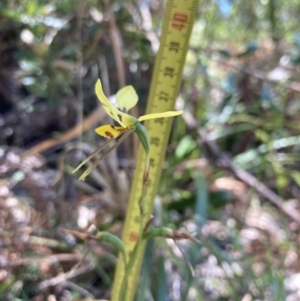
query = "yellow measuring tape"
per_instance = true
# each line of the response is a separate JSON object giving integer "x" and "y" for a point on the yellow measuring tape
{"x": 166, "y": 81}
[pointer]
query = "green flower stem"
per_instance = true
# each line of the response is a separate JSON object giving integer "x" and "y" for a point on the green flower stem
{"x": 141, "y": 131}
{"x": 133, "y": 256}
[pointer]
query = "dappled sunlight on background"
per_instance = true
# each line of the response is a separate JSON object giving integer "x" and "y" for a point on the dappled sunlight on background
{"x": 232, "y": 171}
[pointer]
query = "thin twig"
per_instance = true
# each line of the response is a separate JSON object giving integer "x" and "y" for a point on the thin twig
{"x": 188, "y": 263}
{"x": 51, "y": 258}
{"x": 63, "y": 277}
{"x": 116, "y": 40}
{"x": 78, "y": 288}
{"x": 49, "y": 242}
{"x": 224, "y": 162}
{"x": 291, "y": 85}
{"x": 79, "y": 64}
{"x": 74, "y": 132}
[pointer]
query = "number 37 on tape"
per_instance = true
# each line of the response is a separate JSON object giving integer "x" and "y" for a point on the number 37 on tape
{"x": 179, "y": 21}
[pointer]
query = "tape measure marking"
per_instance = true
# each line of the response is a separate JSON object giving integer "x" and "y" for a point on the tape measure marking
{"x": 166, "y": 80}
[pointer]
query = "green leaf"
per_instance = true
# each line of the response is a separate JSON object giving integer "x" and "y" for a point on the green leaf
{"x": 296, "y": 176}
{"x": 144, "y": 285}
{"x": 224, "y": 52}
{"x": 201, "y": 199}
{"x": 162, "y": 290}
{"x": 186, "y": 144}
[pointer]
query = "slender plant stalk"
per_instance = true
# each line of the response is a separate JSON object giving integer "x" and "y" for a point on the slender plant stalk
{"x": 133, "y": 256}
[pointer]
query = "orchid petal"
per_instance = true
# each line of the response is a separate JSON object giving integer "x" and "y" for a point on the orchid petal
{"x": 122, "y": 118}
{"x": 110, "y": 131}
{"x": 160, "y": 115}
{"x": 126, "y": 98}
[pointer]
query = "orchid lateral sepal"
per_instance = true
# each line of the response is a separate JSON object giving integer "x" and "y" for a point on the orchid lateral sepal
{"x": 93, "y": 154}
{"x": 90, "y": 169}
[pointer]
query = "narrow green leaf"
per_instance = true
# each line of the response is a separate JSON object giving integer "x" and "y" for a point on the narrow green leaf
{"x": 162, "y": 290}
{"x": 90, "y": 169}
{"x": 201, "y": 199}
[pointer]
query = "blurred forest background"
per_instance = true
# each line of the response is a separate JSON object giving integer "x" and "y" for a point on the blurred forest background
{"x": 232, "y": 170}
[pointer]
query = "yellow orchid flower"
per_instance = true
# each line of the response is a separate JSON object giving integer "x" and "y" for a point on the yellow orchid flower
{"x": 126, "y": 99}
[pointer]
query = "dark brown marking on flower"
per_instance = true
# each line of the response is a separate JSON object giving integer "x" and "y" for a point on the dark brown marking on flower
{"x": 109, "y": 134}
{"x": 120, "y": 117}
{"x": 118, "y": 129}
